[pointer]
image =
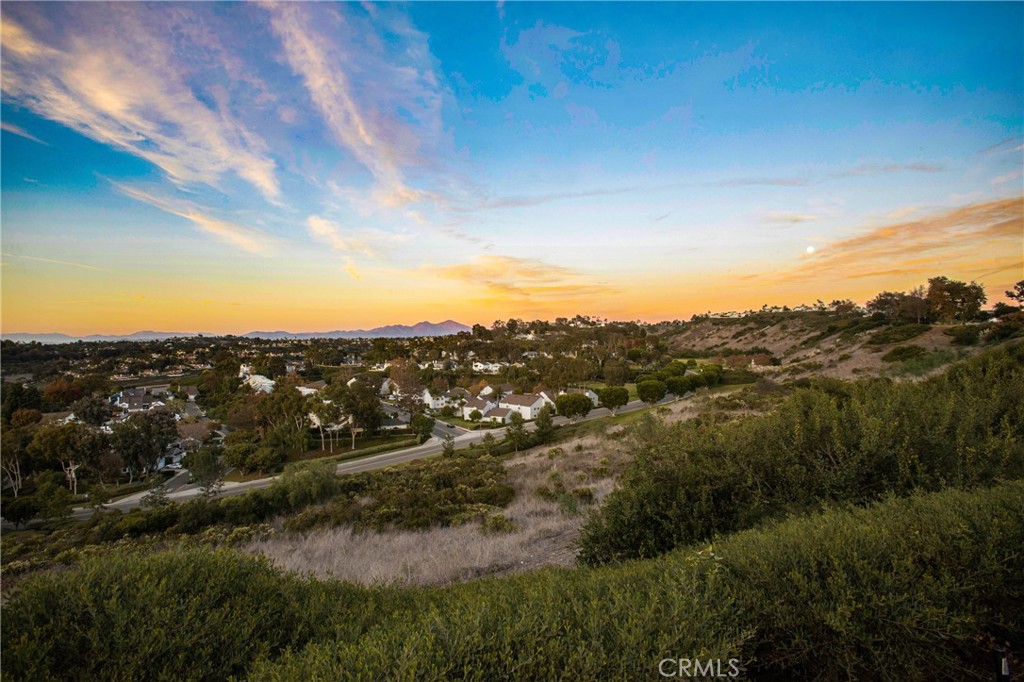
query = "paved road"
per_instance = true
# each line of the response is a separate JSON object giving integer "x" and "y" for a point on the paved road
{"x": 432, "y": 447}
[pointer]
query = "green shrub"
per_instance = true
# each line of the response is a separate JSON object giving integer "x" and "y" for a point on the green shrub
{"x": 919, "y": 366}
{"x": 185, "y": 615}
{"x": 898, "y": 333}
{"x": 964, "y": 335}
{"x": 832, "y": 441}
{"x": 901, "y": 353}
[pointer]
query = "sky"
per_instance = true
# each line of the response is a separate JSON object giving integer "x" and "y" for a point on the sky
{"x": 224, "y": 168}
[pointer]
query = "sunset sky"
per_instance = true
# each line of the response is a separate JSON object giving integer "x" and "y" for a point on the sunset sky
{"x": 315, "y": 166}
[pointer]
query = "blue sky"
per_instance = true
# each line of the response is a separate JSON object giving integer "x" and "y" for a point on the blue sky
{"x": 226, "y": 167}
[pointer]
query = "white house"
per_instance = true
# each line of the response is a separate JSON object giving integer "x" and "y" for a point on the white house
{"x": 307, "y": 391}
{"x": 528, "y": 405}
{"x": 499, "y": 415}
{"x": 549, "y": 396}
{"x": 432, "y": 401}
{"x": 482, "y": 405}
{"x": 594, "y": 399}
{"x": 387, "y": 388}
{"x": 260, "y": 383}
{"x": 487, "y": 367}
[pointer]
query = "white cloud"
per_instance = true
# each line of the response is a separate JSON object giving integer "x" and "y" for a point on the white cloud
{"x": 359, "y": 82}
{"x": 116, "y": 81}
{"x": 246, "y": 238}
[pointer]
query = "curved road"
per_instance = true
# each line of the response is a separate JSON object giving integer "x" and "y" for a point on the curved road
{"x": 370, "y": 463}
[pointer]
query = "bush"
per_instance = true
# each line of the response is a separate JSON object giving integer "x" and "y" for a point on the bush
{"x": 185, "y": 615}
{"x": 898, "y": 333}
{"x": 901, "y": 353}
{"x": 833, "y": 441}
{"x": 964, "y": 335}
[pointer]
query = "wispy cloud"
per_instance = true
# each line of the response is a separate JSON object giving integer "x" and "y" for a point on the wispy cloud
{"x": 875, "y": 169}
{"x": 246, "y": 238}
{"x": 359, "y": 81}
{"x": 331, "y": 233}
{"x": 18, "y": 130}
{"x": 1010, "y": 144}
{"x": 960, "y": 239}
{"x": 790, "y": 218}
{"x": 520, "y": 278}
{"x": 55, "y": 261}
{"x": 111, "y": 78}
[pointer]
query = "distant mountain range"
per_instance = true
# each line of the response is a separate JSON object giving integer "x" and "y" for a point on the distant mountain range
{"x": 400, "y": 331}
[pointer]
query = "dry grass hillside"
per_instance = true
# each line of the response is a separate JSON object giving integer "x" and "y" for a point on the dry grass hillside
{"x": 818, "y": 343}
{"x": 555, "y": 485}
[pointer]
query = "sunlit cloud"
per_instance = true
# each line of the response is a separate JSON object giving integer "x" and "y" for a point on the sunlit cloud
{"x": 246, "y": 238}
{"x": 117, "y": 82}
{"x": 510, "y": 277}
{"x": 21, "y": 132}
{"x": 947, "y": 240}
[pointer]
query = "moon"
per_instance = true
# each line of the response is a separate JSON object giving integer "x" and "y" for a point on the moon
{"x": 810, "y": 249}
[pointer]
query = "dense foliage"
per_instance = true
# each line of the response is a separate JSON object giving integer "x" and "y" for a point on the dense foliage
{"x": 832, "y": 441}
{"x": 906, "y": 589}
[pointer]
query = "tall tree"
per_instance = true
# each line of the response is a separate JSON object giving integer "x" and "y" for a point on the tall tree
{"x": 142, "y": 438}
{"x": 544, "y": 426}
{"x": 515, "y": 432}
{"x": 422, "y": 426}
{"x": 651, "y": 391}
{"x": 71, "y": 446}
{"x": 575, "y": 406}
{"x": 91, "y": 410}
{"x": 614, "y": 397}
{"x": 207, "y": 469}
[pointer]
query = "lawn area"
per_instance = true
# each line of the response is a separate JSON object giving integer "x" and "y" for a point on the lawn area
{"x": 125, "y": 489}
{"x": 471, "y": 426}
{"x": 364, "y": 447}
{"x": 596, "y": 427}
{"x": 236, "y": 476}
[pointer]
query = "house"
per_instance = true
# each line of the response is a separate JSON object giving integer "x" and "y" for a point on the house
{"x": 388, "y": 388}
{"x": 594, "y": 399}
{"x": 482, "y": 405}
{"x": 499, "y": 415}
{"x": 189, "y": 392}
{"x": 434, "y": 401}
{"x": 488, "y": 367}
{"x": 549, "y": 396}
{"x": 528, "y": 405}
{"x": 457, "y": 395}
{"x": 260, "y": 383}
{"x": 136, "y": 400}
{"x": 140, "y": 403}
{"x": 502, "y": 389}
{"x": 306, "y": 391}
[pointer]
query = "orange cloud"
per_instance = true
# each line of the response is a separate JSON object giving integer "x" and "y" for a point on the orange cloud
{"x": 991, "y": 230}
{"x": 506, "y": 277}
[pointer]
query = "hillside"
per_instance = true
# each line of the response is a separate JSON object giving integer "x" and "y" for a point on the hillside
{"x": 792, "y": 345}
